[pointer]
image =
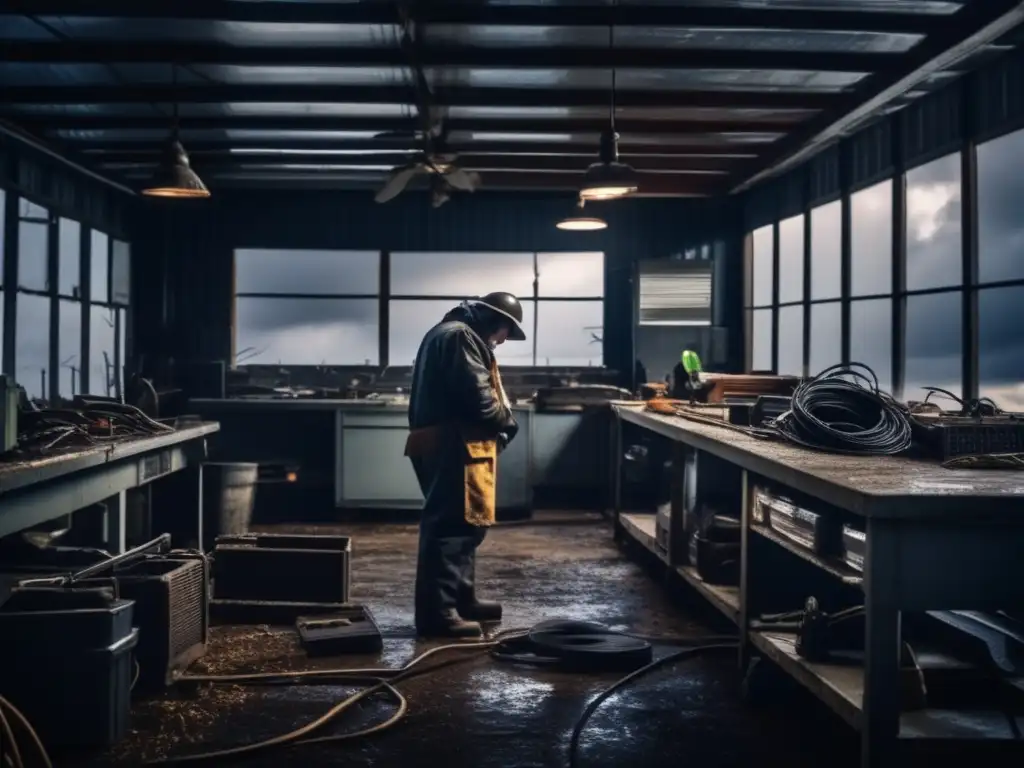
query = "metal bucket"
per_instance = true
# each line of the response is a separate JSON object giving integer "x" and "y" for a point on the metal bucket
{"x": 229, "y": 496}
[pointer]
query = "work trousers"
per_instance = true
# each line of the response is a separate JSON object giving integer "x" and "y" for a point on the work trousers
{"x": 446, "y": 563}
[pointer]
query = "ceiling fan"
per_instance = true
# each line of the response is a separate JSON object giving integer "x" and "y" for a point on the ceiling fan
{"x": 433, "y": 159}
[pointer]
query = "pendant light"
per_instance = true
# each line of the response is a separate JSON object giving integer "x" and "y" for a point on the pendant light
{"x": 608, "y": 179}
{"x": 581, "y": 223}
{"x": 174, "y": 176}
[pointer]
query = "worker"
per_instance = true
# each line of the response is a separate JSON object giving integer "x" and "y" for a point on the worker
{"x": 459, "y": 421}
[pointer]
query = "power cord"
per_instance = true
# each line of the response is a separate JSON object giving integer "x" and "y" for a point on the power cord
{"x": 581, "y": 724}
{"x": 10, "y": 750}
{"x": 843, "y": 410}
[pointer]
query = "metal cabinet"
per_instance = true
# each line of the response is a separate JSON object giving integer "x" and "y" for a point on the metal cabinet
{"x": 371, "y": 470}
{"x": 370, "y": 465}
{"x": 569, "y": 449}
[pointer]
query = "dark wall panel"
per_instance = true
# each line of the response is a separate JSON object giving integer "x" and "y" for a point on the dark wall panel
{"x": 190, "y": 247}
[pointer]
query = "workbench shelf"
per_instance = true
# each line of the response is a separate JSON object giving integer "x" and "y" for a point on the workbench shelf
{"x": 641, "y": 527}
{"x": 841, "y": 687}
{"x": 838, "y": 570}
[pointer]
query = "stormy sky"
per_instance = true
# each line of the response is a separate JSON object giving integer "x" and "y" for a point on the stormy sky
{"x": 344, "y": 331}
{"x": 933, "y": 261}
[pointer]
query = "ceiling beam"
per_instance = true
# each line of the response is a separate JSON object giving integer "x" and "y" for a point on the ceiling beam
{"x": 203, "y": 93}
{"x": 51, "y": 123}
{"x": 656, "y": 15}
{"x": 978, "y": 25}
{"x": 467, "y": 13}
{"x": 155, "y": 52}
{"x": 468, "y": 160}
{"x": 93, "y": 148}
{"x": 649, "y": 185}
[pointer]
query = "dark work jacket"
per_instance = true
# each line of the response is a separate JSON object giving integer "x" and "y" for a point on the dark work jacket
{"x": 451, "y": 380}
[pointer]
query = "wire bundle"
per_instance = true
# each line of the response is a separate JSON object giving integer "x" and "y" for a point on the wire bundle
{"x": 13, "y": 725}
{"x": 89, "y": 423}
{"x": 842, "y": 410}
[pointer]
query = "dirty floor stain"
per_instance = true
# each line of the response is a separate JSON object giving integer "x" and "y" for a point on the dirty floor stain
{"x": 480, "y": 712}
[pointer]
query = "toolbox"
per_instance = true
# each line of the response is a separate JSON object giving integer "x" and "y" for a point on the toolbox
{"x": 67, "y": 663}
{"x": 349, "y": 630}
{"x": 282, "y": 568}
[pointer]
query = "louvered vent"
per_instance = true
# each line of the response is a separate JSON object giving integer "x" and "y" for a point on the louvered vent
{"x": 675, "y": 292}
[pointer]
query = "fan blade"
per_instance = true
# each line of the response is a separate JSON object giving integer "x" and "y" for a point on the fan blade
{"x": 466, "y": 181}
{"x": 396, "y": 182}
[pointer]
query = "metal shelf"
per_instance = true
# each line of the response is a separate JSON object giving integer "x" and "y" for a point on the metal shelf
{"x": 726, "y": 599}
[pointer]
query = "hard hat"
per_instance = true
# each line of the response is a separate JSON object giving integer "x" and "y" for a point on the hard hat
{"x": 508, "y": 306}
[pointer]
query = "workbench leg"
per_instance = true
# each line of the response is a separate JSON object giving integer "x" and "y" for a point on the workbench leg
{"x": 617, "y": 470}
{"x": 115, "y": 523}
{"x": 882, "y": 646}
{"x": 748, "y": 607}
{"x": 200, "y": 518}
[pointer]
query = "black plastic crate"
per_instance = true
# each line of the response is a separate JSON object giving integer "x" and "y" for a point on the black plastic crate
{"x": 282, "y": 568}
{"x": 69, "y": 670}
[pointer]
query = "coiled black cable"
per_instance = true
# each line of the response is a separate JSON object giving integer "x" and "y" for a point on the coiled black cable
{"x": 842, "y": 410}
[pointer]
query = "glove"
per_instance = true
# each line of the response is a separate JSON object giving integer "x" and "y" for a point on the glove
{"x": 511, "y": 431}
{"x": 503, "y": 440}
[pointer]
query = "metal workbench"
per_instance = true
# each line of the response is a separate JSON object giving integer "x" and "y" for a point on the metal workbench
{"x": 39, "y": 490}
{"x": 938, "y": 539}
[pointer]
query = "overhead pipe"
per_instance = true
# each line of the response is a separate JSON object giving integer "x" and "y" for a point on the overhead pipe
{"x": 21, "y": 137}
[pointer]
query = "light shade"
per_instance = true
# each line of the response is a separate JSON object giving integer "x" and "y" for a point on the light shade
{"x": 582, "y": 224}
{"x": 174, "y": 176}
{"x": 607, "y": 181}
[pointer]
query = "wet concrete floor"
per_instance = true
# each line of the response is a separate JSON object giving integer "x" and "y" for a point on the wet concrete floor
{"x": 481, "y": 712}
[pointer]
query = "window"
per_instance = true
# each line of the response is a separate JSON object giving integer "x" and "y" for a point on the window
{"x": 325, "y": 273}
{"x": 553, "y": 288}
{"x": 99, "y": 261}
{"x": 763, "y": 261}
{"x": 761, "y": 339}
{"x": 871, "y": 338}
{"x": 1001, "y": 348}
{"x": 826, "y": 251}
{"x": 1000, "y": 226}
{"x": 69, "y": 267}
{"x": 934, "y": 344}
{"x": 102, "y": 371}
{"x": 286, "y": 331}
{"x": 569, "y": 334}
{"x": 307, "y": 307}
{"x": 410, "y": 319}
{"x": 469, "y": 274}
{"x": 675, "y": 292}
{"x": 933, "y": 232}
{"x": 69, "y": 357}
{"x": 33, "y": 243}
{"x": 760, "y": 292}
{"x": 791, "y": 340}
{"x": 32, "y": 344}
{"x": 791, "y": 260}
{"x": 871, "y": 240}
{"x": 569, "y": 275}
{"x": 120, "y": 273}
{"x": 826, "y": 337}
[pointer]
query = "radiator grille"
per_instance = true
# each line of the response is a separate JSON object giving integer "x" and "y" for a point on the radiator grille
{"x": 186, "y": 607}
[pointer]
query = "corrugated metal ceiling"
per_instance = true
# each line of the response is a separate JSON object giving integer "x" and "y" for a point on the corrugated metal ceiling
{"x": 707, "y": 91}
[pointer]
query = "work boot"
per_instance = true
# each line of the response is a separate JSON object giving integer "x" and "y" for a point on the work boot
{"x": 480, "y": 610}
{"x": 449, "y": 624}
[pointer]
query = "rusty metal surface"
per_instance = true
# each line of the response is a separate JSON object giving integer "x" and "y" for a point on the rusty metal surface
{"x": 486, "y": 715}
{"x": 871, "y": 486}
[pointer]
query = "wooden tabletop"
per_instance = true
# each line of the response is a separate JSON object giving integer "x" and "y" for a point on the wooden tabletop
{"x": 870, "y": 486}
